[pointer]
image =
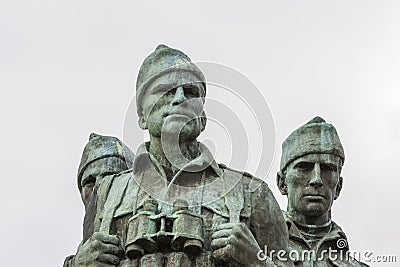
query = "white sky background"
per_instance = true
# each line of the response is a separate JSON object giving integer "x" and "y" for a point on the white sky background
{"x": 68, "y": 68}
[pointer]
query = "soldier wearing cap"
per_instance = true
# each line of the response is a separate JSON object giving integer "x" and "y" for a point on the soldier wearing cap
{"x": 310, "y": 168}
{"x": 178, "y": 207}
{"x": 102, "y": 156}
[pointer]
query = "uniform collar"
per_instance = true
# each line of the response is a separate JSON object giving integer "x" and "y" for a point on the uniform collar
{"x": 336, "y": 232}
{"x": 204, "y": 161}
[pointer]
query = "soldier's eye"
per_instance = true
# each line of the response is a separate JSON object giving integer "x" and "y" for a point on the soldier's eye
{"x": 161, "y": 89}
{"x": 190, "y": 90}
{"x": 304, "y": 166}
{"x": 89, "y": 181}
{"x": 327, "y": 168}
{"x": 89, "y": 185}
{"x": 189, "y": 94}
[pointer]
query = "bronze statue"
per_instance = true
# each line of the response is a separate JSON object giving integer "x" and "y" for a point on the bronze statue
{"x": 177, "y": 206}
{"x": 310, "y": 168}
{"x": 102, "y": 155}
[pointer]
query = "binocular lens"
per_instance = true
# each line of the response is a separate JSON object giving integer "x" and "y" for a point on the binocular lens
{"x": 192, "y": 247}
{"x": 134, "y": 251}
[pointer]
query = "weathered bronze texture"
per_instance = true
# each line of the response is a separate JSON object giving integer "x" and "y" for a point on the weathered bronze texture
{"x": 310, "y": 176}
{"x": 177, "y": 206}
{"x": 102, "y": 155}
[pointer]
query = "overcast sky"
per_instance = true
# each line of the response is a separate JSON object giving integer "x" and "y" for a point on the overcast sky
{"x": 68, "y": 68}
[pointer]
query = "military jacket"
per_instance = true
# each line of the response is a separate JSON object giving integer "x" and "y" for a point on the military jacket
{"x": 318, "y": 255}
{"x": 222, "y": 195}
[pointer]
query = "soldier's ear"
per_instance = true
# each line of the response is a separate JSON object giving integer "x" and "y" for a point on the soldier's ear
{"x": 281, "y": 183}
{"x": 338, "y": 187}
{"x": 142, "y": 123}
{"x": 203, "y": 120}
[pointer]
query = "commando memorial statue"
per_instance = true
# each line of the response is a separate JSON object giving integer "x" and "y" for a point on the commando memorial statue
{"x": 310, "y": 168}
{"x": 175, "y": 206}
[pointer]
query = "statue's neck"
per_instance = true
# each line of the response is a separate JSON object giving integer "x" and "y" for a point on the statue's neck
{"x": 172, "y": 156}
{"x": 307, "y": 220}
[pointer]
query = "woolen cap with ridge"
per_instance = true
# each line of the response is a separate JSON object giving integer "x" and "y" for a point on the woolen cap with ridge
{"x": 99, "y": 147}
{"x": 163, "y": 60}
{"x": 315, "y": 137}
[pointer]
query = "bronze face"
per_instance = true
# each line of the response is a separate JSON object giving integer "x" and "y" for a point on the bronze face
{"x": 312, "y": 183}
{"x": 173, "y": 103}
{"x": 97, "y": 170}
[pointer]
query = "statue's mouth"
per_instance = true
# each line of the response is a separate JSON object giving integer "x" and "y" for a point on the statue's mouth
{"x": 314, "y": 196}
{"x": 180, "y": 113}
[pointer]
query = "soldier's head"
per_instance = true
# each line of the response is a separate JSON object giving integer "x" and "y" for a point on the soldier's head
{"x": 170, "y": 94}
{"x": 102, "y": 155}
{"x": 310, "y": 167}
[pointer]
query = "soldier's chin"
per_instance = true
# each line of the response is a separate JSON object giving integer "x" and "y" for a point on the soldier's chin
{"x": 186, "y": 128}
{"x": 173, "y": 124}
{"x": 315, "y": 209}
{"x": 189, "y": 132}
{"x": 177, "y": 118}
{"x": 184, "y": 132}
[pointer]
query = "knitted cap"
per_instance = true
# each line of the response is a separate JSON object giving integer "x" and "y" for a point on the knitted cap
{"x": 163, "y": 60}
{"x": 315, "y": 137}
{"x": 99, "y": 147}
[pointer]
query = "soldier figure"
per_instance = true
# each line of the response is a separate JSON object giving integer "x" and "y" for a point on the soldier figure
{"x": 178, "y": 207}
{"x": 311, "y": 163}
{"x": 102, "y": 155}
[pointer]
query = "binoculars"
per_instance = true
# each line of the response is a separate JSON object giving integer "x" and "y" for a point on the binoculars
{"x": 149, "y": 232}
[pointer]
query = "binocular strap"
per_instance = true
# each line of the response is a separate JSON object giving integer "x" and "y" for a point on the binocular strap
{"x": 114, "y": 199}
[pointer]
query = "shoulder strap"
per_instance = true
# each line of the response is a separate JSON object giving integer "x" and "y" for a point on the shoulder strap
{"x": 234, "y": 200}
{"x": 114, "y": 198}
{"x": 102, "y": 194}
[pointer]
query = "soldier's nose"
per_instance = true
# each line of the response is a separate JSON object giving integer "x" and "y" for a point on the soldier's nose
{"x": 316, "y": 176}
{"x": 179, "y": 96}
